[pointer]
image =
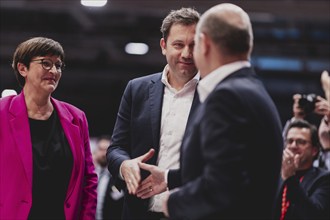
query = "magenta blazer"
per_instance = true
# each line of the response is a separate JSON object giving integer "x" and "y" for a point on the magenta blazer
{"x": 16, "y": 161}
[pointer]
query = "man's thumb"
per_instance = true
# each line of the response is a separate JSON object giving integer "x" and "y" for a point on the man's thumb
{"x": 147, "y": 155}
{"x": 144, "y": 166}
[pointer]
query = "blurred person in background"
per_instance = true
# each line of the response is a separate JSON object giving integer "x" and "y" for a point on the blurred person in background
{"x": 305, "y": 105}
{"x": 46, "y": 165}
{"x": 109, "y": 199}
{"x": 324, "y": 128}
{"x": 153, "y": 115}
{"x": 305, "y": 190}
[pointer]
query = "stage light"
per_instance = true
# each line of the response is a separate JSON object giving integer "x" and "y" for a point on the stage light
{"x": 94, "y": 3}
{"x": 136, "y": 48}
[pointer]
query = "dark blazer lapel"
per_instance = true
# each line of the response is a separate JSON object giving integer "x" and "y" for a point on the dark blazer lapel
{"x": 193, "y": 108}
{"x": 192, "y": 116}
{"x": 156, "y": 91}
{"x": 72, "y": 133}
{"x": 20, "y": 127}
{"x": 308, "y": 179}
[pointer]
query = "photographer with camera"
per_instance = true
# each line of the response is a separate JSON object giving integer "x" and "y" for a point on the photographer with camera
{"x": 305, "y": 105}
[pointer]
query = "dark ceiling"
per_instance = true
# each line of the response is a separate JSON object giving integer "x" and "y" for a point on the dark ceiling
{"x": 292, "y": 46}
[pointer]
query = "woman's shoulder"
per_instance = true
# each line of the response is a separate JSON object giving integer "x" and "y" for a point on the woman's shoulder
{"x": 6, "y": 98}
{"x": 5, "y": 101}
{"x": 62, "y": 106}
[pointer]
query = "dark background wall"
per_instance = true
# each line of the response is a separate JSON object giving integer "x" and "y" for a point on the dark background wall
{"x": 292, "y": 47}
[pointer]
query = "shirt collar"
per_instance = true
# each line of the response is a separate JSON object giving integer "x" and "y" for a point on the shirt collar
{"x": 164, "y": 79}
{"x": 209, "y": 82}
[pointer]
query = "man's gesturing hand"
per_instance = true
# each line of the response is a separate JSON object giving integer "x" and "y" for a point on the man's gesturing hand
{"x": 131, "y": 172}
{"x": 154, "y": 183}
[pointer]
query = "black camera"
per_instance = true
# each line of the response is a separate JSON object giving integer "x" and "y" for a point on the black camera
{"x": 307, "y": 103}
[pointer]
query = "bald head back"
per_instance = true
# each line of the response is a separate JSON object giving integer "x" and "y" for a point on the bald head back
{"x": 229, "y": 27}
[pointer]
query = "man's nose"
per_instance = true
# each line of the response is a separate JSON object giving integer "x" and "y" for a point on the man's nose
{"x": 293, "y": 146}
{"x": 187, "y": 52}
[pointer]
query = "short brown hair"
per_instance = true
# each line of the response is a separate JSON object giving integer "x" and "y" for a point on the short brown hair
{"x": 37, "y": 46}
{"x": 301, "y": 123}
{"x": 184, "y": 16}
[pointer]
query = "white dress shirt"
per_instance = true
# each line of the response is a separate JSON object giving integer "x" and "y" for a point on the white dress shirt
{"x": 209, "y": 82}
{"x": 175, "y": 112}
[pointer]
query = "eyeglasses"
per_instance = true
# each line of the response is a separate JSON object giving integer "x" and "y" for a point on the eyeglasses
{"x": 299, "y": 142}
{"x": 48, "y": 64}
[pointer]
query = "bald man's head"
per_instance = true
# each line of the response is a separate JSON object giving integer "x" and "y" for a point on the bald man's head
{"x": 229, "y": 27}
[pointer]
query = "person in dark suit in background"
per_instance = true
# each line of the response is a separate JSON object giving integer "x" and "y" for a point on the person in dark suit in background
{"x": 153, "y": 114}
{"x": 109, "y": 198}
{"x": 232, "y": 150}
{"x": 305, "y": 190}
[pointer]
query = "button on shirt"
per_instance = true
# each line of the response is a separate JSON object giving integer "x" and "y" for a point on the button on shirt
{"x": 175, "y": 112}
{"x": 209, "y": 82}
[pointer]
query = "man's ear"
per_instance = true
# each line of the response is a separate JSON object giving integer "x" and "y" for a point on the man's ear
{"x": 205, "y": 44}
{"x": 22, "y": 69}
{"x": 163, "y": 46}
{"x": 315, "y": 151}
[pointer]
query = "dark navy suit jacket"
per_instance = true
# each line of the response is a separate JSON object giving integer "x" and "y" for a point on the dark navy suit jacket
{"x": 309, "y": 199}
{"x": 232, "y": 153}
{"x": 137, "y": 129}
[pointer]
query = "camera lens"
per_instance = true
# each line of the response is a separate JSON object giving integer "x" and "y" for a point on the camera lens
{"x": 307, "y": 103}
